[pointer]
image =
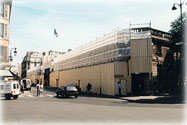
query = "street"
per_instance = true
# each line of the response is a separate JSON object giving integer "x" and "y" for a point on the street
{"x": 46, "y": 108}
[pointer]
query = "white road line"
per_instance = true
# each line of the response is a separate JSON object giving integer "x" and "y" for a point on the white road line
{"x": 30, "y": 95}
{"x": 40, "y": 96}
{"x": 20, "y": 96}
{"x": 108, "y": 99}
{"x": 50, "y": 95}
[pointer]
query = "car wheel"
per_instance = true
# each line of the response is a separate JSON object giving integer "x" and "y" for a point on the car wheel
{"x": 15, "y": 97}
{"x": 76, "y": 96}
{"x": 57, "y": 95}
{"x": 7, "y": 97}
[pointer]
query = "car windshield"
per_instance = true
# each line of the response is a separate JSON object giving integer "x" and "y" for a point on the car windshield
{"x": 62, "y": 87}
{"x": 71, "y": 88}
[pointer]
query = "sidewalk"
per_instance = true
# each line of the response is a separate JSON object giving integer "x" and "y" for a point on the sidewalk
{"x": 136, "y": 99}
{"x": 156, "y": 99}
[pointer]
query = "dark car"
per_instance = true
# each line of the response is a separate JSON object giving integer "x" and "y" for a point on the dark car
{"x": 66, "y": 91}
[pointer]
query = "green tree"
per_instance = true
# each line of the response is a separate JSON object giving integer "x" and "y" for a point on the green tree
{"x": 177, "y": 28}
{"x": 171, "y": 72}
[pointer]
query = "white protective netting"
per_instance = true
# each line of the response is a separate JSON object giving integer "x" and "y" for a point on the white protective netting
{"x": 114, "y": 46}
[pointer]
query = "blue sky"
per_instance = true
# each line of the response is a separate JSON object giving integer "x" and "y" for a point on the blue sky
{"x": 79, "y": 21}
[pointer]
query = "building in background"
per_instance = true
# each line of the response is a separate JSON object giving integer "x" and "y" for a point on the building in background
{"x": 48, "y": 65}
{"x": 30, "y": 63}
{"x": 5, "y": 12}
{"x": 38, "y": 66}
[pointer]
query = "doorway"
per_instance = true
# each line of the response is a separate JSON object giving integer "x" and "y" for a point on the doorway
{"x": 46, "y": 77}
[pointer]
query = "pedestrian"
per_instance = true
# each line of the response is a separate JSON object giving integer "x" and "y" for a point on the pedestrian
{"x": 79, "y": 88}
{"x": 21, "y": 87}
{"x": 119, "y": 87}
{"x": 38, "y": 87}
{"x": 41, "y": 89}
{"x": 89, "y": 87}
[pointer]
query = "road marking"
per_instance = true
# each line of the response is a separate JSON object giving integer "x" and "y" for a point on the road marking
{"x": 20, "y": 96}
{"x": 40, "y": 96}
{"x": 107, "y": 99}
{"x": 50, "y": 95}
{"x": 30, "y": 95}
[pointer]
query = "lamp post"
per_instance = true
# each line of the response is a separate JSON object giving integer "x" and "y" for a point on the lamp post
{"x": 181, "y": 80}
{"x": 180, "y": 5}
{"x": 15, "y": 53}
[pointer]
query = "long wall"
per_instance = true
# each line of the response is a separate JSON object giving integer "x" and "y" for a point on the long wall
{"x": 35, "y": 78}
{"x": 102, "y": 76}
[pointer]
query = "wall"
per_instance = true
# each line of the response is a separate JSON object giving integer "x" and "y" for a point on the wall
{"x": 141, "y": 55}
{"x": 100, "y": 76}
{"x": 34, "y": 78}
{"x": 104, "y": 76}
{"x": 54, "y": 77}
{"x": 121, "y": 73}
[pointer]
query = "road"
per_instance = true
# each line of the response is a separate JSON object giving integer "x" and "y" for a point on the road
{"x": 32, "y": 109}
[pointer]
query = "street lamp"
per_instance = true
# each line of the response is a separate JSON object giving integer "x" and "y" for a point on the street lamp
{"x": 180, "y": 5}
{"x": 15, "y": 53}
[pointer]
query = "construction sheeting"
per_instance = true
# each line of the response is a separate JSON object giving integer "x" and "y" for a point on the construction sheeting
{"x": 114, "y": 46}
{"x": 141, "y": 55}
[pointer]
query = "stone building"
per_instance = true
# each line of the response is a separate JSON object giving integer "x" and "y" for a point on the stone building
{"x": 5, "y": 12}
{"x": 30, "y": 63}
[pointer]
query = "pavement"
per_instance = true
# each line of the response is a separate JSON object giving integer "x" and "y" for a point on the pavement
{"x": 156, "y": 99}
{"x": 163, "y": 99}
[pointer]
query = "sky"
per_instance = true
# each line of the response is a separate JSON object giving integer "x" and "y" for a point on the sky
{"x": 77, "y": 22}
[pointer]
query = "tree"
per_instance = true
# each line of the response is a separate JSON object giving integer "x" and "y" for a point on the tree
{"x": 177, "y": 29}
{"x": 171, "y": 72}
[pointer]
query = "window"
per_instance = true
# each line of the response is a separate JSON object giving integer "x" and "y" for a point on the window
{"x": 159, "y": 50}
{"x": 17, "y": 86}
{"x": 1, "y": 30}
{"x": 3, "y": 54}
{"x": 1, "y": 10}
{"x": 14, "y": 86}
{"x": 5, "y": 29}
{"x": 5, "y": 10}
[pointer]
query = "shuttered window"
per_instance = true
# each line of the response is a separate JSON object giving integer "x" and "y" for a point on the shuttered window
{"x": 5, "y": 11}
{"x": 1, "y": 10}
{"x": 5, "y": 30}
{"x": 3, "y": 54}
{"x": 1, "y": 30}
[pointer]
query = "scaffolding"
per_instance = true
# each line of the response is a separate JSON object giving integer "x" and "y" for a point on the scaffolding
{"x": 114, "y": 46}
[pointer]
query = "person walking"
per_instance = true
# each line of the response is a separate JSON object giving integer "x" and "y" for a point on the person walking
{"x": 21, "y": 87}
{"x": 119, "y": 87}
{"x": 41, "y": 89}
{"x": 89, "y": 87}
{"x": 38, "y": 87}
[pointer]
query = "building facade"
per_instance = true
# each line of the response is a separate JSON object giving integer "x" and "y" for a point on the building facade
{"x": 30, "y": 63}
{"x": 5, "y": 12}
{"x": 38, "y": 66}
{"x": 131, "y": 57}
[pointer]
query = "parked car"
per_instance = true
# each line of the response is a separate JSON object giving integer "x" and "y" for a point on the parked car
{"x": 25, "y": 84}
{"x": 66, "y": 91}
{"x": 9, "y": 89}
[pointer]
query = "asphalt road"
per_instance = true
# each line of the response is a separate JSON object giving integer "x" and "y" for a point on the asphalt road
{"x": 47, "y": 109}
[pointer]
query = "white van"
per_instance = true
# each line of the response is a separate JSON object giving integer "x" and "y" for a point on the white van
{"x": 26, "y": 84}
{"x": 9, "y": 89}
